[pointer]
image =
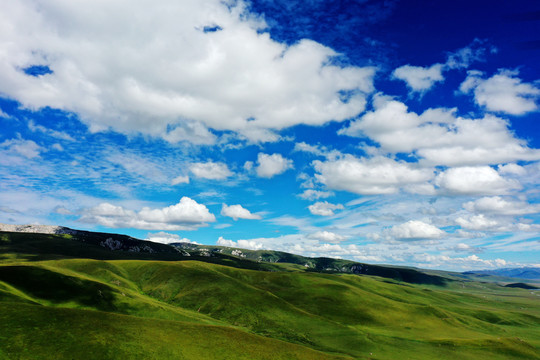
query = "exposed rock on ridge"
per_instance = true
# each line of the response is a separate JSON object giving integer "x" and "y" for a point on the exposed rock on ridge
{"x": 40, "y": 229}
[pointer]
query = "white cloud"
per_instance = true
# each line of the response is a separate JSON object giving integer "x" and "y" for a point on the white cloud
{"x": 271, "y": 165}
{"x": 503, "y": 92}
{"x": 193, "y": 131}
{"x": 180, "y": 179}
{"x": 210, "y": 170}
{"x": 186, "y": 215}
{"x": 25, "y": 148}
{"x": 238, "y": 212}
{"x": 462, "y": 263}
{"x": 438, "y": 137}
{"x": 167, "y": 238}
{"x": 54, "y": 133}
{"x": 411, "y": 252}
{"x": 312, "y": 149}
{"x": 248, "y": 166}
{"x": 415, "y": 230}
{"x": 311, "y": 194}
{"x": 479, "y": 180}
{"x": 302, "y": 245}
{"x": 496, "y": 223}
{"x": 62, "y": 210}
{"x": 3, "y": 114}
{"x": 476, "y": 51}
{"x": 327, "y": 236}
{"x": 378, "y": 175}
{"x": 244, "y": 244}
{"x": 170, "y": 78}
{"x": 511, "y": 169}
{"x": 419, "y": 78}
{"x": 324, "y": 208}
{"x": 498, "y": 205}
{"x": 139, "y": 166}
{"x": 461, "y": 247}
{"x": 477, "y": 222}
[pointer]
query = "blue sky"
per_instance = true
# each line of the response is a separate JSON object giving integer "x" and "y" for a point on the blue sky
{"x": 395, "y": 132}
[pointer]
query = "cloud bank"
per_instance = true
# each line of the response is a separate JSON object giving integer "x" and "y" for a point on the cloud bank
{"x": 185, "y": 215}
{"x": 233, "y": 78}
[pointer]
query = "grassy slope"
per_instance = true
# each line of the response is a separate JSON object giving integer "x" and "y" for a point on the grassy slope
{"x": 38, "y": 332}
{"x": 190, "y": 309}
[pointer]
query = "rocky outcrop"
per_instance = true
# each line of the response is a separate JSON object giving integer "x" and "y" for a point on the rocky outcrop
{"x": 39, "y": 229}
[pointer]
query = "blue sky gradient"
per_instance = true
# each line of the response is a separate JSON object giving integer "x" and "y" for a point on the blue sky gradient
{"x": 395, "y": 132}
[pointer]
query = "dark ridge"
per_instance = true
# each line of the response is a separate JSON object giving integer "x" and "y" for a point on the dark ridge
{"x": 106, "y": 246}
{"x": 522, "y": 286}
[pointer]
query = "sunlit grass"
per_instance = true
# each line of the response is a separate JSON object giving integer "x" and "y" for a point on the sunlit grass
{"x": 62, "y": 307}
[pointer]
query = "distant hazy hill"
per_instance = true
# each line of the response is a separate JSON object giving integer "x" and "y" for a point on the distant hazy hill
{"x": 529, "y": 273}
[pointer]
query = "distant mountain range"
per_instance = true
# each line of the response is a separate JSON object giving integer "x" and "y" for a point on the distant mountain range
{"x": 263, "y": 259}
{"x": 528, "y": 273}
{"x": 126, "y": 247}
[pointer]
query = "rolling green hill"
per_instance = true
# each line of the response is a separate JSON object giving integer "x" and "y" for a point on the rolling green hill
{"x": 65, "y": 298}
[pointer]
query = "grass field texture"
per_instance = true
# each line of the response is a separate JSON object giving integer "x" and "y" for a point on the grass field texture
{"x": 71, "y": 300}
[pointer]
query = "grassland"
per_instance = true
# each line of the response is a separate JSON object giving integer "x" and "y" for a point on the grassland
{"x": 65, "y": 299}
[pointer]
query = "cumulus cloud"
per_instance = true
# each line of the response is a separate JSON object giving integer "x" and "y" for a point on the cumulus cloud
{"x": 186, "y": 215}
{"x": 495, "y": 223}
{"x": 324, "y": 208}
{"x": 192, "y": 131}
{"x": 167, "y": 238}
{"x": 327, "y": 237}
{"x": 503, "y": 92}
{"x": 180, "y": 179}
{"x": 312, "y": 149}
{"x": 419, "y": 78}
{"x": 415, "y": 230}
{"x": 244, "y": 244}
{"x": 438, "y": 137}
{"x": 468, "y": 262}
{"x": 20, "y": 147}
{"x": 271, "y": 165}
{"x": 377, "y": 175}
{"x": 175, "y": 80}
{"x": 210, "y": 170}
{"x": 478, "y": 180}
{"x": 238, "y": 212}
{"x": 511, "y": 169}
{"x": 500, "y": 206}
{"x": 477, "y": 222}
{"x": 311, "y": 194}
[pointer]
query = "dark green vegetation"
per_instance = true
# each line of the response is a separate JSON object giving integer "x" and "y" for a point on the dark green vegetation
{"x": 66, "y": 299}
{"x": 522, "y": 286}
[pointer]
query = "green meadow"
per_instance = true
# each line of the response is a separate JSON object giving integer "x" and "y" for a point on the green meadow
{"x": 61, "y": 298}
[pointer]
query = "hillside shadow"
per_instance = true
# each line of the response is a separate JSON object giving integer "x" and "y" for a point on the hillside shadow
{"x": 57, "y": 288}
